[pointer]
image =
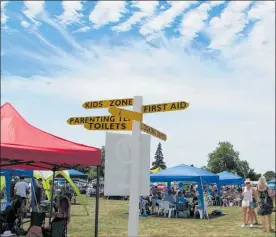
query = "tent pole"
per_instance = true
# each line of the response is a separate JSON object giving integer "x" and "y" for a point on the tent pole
{"x": 52, "y": 195}
{"x": 97, "y": 202}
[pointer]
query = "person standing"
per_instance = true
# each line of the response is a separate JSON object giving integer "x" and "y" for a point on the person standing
{"x": 21, "y": 190}
{"x": 38, "y": 191}
{"x": 265, "y": 203}
{"x": 247, "y": 203}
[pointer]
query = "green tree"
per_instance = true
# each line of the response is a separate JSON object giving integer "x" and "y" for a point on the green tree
{"x": 102, "y": 170}
{"x": 253, "y": 175}
{"x": 269, "y": 175}
{"x": 243, "y": 168}
{"x": 159, "y": 158}
{"x": 92, "y": 172}
{"x": 224, "y": 157}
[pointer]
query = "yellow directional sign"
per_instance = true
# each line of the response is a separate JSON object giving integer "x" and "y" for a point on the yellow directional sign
{"x": 132, "y": 115}
{"x": 165, "y": 107}
{"x": 152, "y": 131}
{"x": 124, "y": 126}
{"x": 95, "y": 119}
{"x": 108, "y": 103}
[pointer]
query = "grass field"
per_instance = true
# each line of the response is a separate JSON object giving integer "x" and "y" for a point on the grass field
{"x": 113, "y": 222}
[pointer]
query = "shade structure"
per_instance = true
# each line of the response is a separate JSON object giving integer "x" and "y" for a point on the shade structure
{"x": 184, "y": 173}
{"x": 24, "y": 146}
{"x": 272, "y": 181}
{"x": 8, "y": 173}
{"x": 75, "y": 173}
{"x": 227, "y": 178}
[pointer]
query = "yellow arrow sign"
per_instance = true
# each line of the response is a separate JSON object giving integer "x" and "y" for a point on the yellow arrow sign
{"x": 152, "y": 131}
{"x": 165, "y": 107}
{"x": 132, "y": 115}
{"x": 125, "y": 126}
{"x": 95, "y": 119}
{"x": 108, "y": 103}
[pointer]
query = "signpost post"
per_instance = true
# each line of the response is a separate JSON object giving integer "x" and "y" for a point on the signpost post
{"x": 126, "y": 120}
{"x": 133, "y": 216}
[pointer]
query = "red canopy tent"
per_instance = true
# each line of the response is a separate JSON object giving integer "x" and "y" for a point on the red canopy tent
{"x": 26, "y": 147}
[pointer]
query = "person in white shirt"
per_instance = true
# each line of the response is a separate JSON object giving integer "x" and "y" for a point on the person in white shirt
{"x": 21, "y": 189}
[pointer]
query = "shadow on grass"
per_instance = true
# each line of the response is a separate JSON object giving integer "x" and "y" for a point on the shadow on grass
{"x": 211, "y": 217}
{"x": 84, "y": 214}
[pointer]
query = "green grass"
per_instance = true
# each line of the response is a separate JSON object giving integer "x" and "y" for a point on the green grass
{"x": 113, "y": 222}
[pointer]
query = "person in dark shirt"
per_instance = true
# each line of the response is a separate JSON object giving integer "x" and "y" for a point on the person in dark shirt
{"x": 195, "y": 202}
{"x": 38, "y": 190}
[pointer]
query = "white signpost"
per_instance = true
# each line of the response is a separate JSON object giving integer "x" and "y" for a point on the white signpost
{"x": 133, "y": 216}
{"x": 124, "y": 120}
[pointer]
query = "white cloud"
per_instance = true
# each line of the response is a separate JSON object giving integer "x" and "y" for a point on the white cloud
{"x": 106, "y": 12}
{"x": 32, "y": 9}
{"x": 216, "y": 3}
{"x": 82, "y": 29}
{"x": 146, "y": 9}
{"x": 224, "y": 29}
{"x": 157, "y": 23}
{"x": 71, "y": 12}
{"x": 193, "y": 21}
{"x": 25, "y": 24}
{"x": 237, "y": 106}
{"x": 4, "y": 17}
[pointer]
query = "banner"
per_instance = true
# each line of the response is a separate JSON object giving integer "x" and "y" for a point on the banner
{"x": 117, "y": 164}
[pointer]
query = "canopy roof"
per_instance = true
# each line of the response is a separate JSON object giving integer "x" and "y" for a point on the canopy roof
{"x": 73, "y": 172}
{"x": 184, "y": 173}
{"x": 272, "y": 181}
{"x": 16, "y": 172}
{"x": 227, "y": 178}
{"x": 24, "y": 146}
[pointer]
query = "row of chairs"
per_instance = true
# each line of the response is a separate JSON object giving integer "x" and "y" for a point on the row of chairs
{"x": 180, "y": 209}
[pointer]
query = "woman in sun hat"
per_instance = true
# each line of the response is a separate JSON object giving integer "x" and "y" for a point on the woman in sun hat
{"x": 265, "y": 203}
{"x": 247, "y": 203}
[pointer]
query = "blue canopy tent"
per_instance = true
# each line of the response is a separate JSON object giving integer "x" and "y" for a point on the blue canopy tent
{"x": 187, "y": 173}
{"x": 76, "y": 174}
{"x": 272, "y": 184}
{"x": 227, "y": 178}
{"x": 9, "y": 173}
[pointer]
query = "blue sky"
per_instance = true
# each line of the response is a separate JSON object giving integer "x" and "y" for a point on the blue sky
{"x": 217, "y": 55}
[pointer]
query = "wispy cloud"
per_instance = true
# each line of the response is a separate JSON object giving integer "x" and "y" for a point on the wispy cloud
{"x": 4, "y": 17}
{"x": 71, "y": 12}
{"x": 146, "y": 9}
{"x": 106, "y": 12}
{"x": 193, "y": 21}
{"x": 157, "y": 23}
{"x": 32, "y": 9}
{"x": 224, "y": 29}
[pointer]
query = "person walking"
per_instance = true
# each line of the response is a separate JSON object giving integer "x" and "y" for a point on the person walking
{"x": 247, "y": 203}
{"x": 265, "y": 203}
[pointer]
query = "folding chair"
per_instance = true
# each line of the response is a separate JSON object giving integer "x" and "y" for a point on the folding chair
{"x": 59, "y": 228}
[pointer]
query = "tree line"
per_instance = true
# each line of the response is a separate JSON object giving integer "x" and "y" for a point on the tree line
{"x": 223, "y": 158}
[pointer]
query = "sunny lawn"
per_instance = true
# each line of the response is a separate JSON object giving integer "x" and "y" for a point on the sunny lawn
{"x": 113, "y": 222}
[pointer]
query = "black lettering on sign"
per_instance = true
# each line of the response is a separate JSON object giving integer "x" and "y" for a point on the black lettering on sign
{"x": 71, "y": 120}
{"x": 173, "y": 106}
{"x": 93, "y": 104}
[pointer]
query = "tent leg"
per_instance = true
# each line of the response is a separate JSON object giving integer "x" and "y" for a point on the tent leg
{"x": 97, "y": 202}
{"x": 52, "y": 195}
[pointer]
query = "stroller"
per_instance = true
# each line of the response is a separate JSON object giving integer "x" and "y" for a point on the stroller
{"x": 9, "y": 218}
